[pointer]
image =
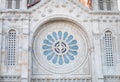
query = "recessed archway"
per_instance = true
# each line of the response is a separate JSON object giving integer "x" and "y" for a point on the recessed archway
{"x": 60, "y": 49}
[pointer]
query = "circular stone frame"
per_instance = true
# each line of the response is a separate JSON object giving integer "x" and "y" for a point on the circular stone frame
{"x": 64, "y": 26}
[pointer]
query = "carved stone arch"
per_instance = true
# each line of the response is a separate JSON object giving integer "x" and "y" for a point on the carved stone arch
{"x": 58, "y": 17}
{"x": 65, "y": 18}
{"x": 60, "y": 25}
{"x": 110, "y": 30}
{"x": 12, "y": 28}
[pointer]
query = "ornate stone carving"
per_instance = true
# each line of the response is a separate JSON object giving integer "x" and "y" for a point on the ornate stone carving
{"x": 60, "y": 47}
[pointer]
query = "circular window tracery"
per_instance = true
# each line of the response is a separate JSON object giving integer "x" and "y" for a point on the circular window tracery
{"x": 60, "y": 47}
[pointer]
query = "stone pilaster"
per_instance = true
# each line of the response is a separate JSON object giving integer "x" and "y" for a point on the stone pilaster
{"x": 24, "y": 60}
{"x": 0, "y": 4}
{"x": 98, "y": 59}
{"x": 0, "y": 43}
{"x": 3, "y": 48}
{"x": 25, "y": 52}
{"x": 96, "y": 55}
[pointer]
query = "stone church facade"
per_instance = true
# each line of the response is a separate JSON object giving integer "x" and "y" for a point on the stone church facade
{"x": 59, "y": 41}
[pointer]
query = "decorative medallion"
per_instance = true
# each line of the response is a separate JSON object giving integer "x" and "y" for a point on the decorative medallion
{"x": 60, "y": 47}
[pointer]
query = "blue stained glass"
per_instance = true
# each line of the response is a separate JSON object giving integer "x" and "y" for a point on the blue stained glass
{"x": 50, "y": 38}
{"x": 60, "y": 60}
{"x": 47, "y": 42}
{"x": 55, "y": 35}
{"x": 70, "y": 57}
{"x": 69, "y": 38}
{"x": 73, "y": 42}
{"x": 73, "y": 52}
{"x": 60, "y": 34}
{"x": 47, "y": 52}
{"x": 65, "y": 35}
{"x": 60, "y": 47}
{"x": 55, "y": 59}
{"x": 49, "y": 57}
{"x": 46, "y": 47}
{"x": 66, "y": 59}
{"x": 73, "y": 47}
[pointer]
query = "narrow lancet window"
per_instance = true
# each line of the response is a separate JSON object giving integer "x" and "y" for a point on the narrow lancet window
{"x": 12, "y": 47}
{"x": 108, "y": 40}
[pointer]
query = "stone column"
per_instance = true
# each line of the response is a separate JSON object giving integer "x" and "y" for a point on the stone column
{"x": 25, "y": 52}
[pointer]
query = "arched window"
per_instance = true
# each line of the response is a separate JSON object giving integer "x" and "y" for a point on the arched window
{"x": 12, "y": 47}
{"x": 108, "y": 44}
{"x": 108, "y": 4}
{"x": 100, "y": 4}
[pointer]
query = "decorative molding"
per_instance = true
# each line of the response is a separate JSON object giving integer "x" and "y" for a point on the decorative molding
{"x": 63, "y": 48}
{"x": 9, "y": 78}
{"x": 62, "y": 80}
{"x": 112, "y": 78}
{"x": 104, "y": 13}
{"x": 62, "y": 27}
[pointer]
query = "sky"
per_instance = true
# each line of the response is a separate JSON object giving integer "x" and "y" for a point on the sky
{"x": 119, "y": 4}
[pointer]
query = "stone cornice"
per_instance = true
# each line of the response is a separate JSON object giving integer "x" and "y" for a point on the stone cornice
{"x": 15, "y": 11}
{"x": 22, "y": 15}
{"x": 105, "y": 13}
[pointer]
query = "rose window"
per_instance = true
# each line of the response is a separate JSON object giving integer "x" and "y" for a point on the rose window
{"x": 60, "y": 47}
